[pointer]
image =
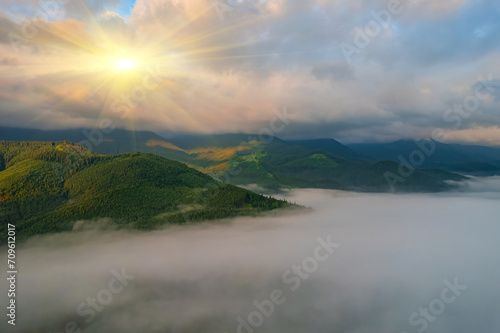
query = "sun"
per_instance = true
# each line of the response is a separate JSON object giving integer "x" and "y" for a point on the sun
{"x": 125, "y": 64}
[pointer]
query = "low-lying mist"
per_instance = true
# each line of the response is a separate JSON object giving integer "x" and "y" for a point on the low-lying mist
{"x": 357, "y": 263}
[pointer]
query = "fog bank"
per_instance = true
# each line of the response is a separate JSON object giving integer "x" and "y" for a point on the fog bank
{"x": 374, "y": 263}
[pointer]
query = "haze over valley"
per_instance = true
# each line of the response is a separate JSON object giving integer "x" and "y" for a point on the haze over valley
{"x": 390, "y": 258}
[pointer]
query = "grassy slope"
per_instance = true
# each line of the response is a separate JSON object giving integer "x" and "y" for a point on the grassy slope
{"x": 51, "y": 186}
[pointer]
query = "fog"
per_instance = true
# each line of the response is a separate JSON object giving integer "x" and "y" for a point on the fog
{"x": 397, "y": 263}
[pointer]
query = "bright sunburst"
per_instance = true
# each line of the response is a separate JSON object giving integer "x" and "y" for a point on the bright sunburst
{"x": 108, "y": 69}
{"x": 125, "y": 64}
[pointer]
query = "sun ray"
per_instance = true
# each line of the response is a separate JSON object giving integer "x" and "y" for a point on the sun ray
{"x": 114, "y": 66}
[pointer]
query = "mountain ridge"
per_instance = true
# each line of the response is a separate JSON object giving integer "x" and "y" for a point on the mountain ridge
{"x": 470, "y": 159}
{"x": 273, "y": 164}
{"x": 48, "y": 186}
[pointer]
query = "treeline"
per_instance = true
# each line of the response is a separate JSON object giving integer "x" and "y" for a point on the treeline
{"x": 47, "y": 187}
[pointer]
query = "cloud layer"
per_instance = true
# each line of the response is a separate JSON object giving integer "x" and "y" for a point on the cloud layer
{"x": 353, "y": 70}
{"x": 396, "y": 254}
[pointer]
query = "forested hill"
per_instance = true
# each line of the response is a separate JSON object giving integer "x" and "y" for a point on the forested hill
{"x": 48, "y": 186}
{"x": 273, "y": 165}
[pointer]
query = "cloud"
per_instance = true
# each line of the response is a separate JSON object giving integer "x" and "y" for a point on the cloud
{"x": 395, "y": 254}
{"x": 489, "y": 136}
{"x": 8, "y": 61}
{"x": 233, "y": 71}
{"x": 334, "y": 71}
{"x": 7, "y": 28}
{"x": 428, "y": 9}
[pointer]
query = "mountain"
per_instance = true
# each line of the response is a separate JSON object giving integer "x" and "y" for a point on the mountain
{"x": 301, "y": 167}
{"x": 107, "y": 141}
{"x": 48, "y": 186}
{"x": 243, "y": 159}
{"x": 485, "y": 169}
{"x": 329, "y": 145}
{"x": 269, "y": 162}
{"x": 471, "y": 159}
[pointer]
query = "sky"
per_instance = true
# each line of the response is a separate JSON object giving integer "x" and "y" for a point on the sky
{"x": 354, "y": 70}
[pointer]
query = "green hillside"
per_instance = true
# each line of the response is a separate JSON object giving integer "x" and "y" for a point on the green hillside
{"x": 278, "y": 165}
{"x": 242, "y": 159}
{"x": 47, "y": 187}
{"x": 239, "y": 161}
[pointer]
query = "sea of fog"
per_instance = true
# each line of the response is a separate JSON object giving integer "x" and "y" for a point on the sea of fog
{"x": 356, "y": 263}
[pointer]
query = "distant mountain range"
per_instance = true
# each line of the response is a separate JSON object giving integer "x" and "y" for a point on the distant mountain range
{"x": 48, "y": 186}
{"x": 272, "y": 163}
{"x": 473, "y": 159}
{"x": 330, "y": 145}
